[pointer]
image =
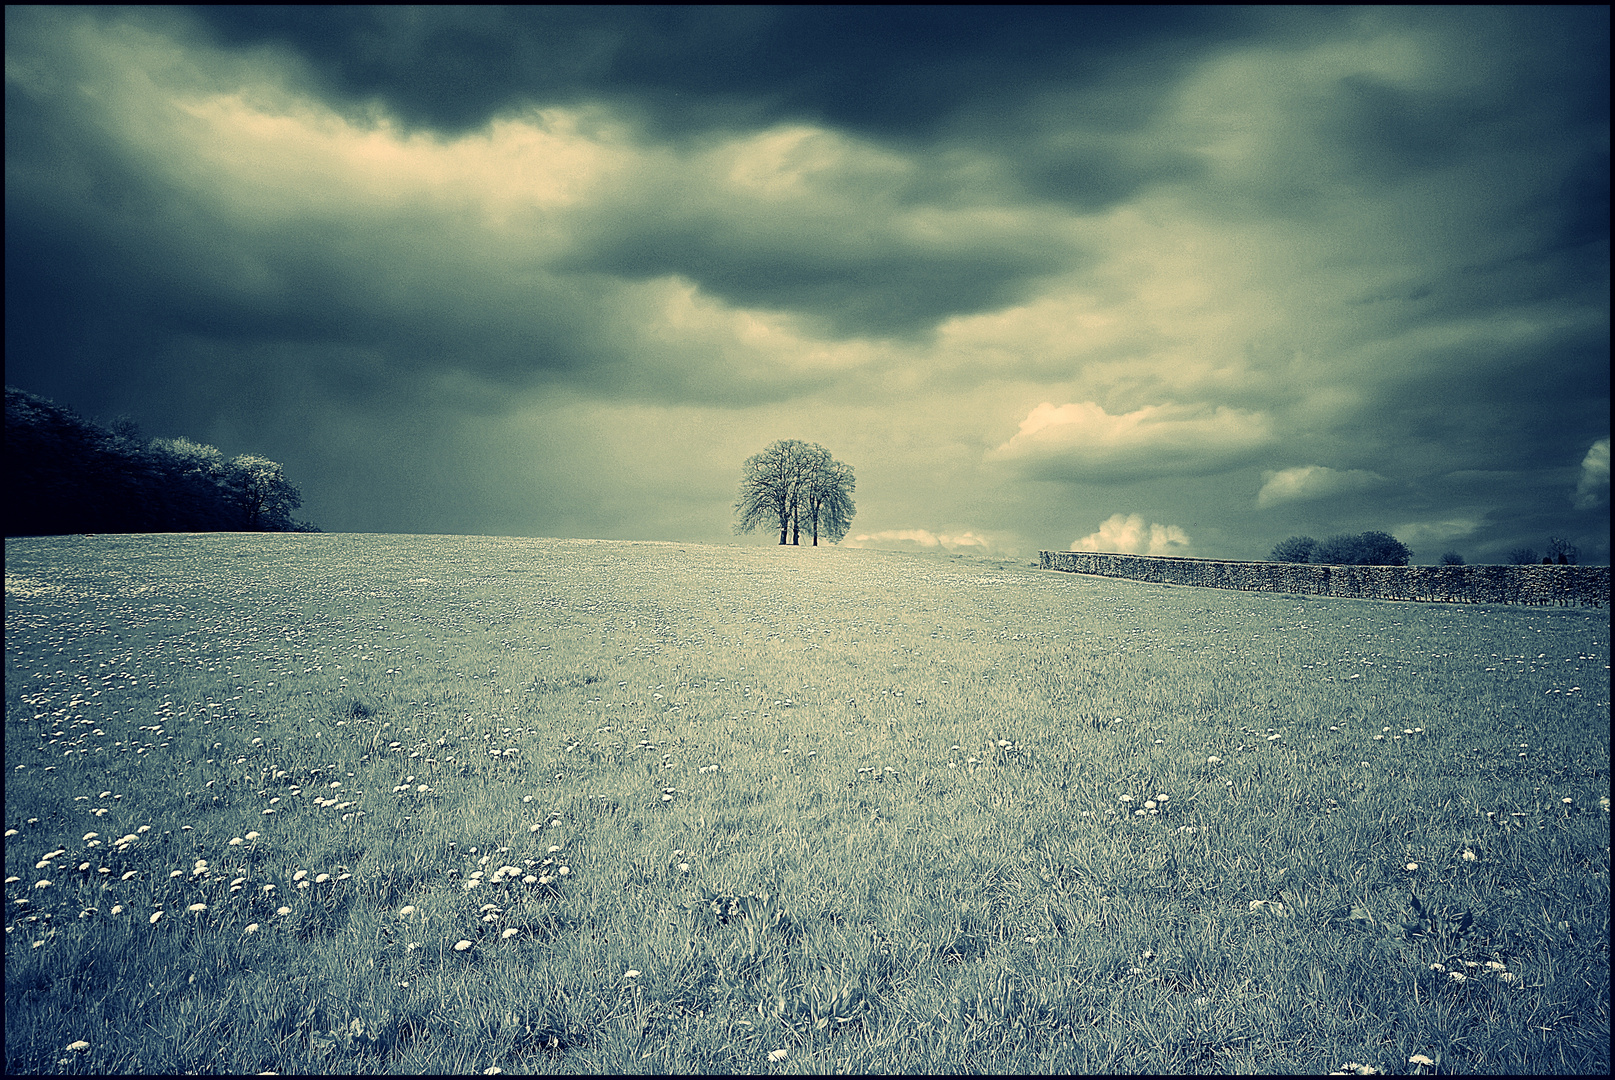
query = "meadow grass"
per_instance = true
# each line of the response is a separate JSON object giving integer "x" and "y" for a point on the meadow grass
{"x": 460, "y": 804}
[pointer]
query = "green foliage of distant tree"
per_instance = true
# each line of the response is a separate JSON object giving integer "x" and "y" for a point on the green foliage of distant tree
{"x": 66, "y": 474}
{"x": 1295, "y": 549}
{"x": 794, "y": 482}
{"x": 1452, "y": 558}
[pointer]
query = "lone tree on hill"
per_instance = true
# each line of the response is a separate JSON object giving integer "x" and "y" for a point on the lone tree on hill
{"x": 791, "y": 481}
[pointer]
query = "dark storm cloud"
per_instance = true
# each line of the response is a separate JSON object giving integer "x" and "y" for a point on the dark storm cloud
{"x": 1181, "y": 276}
{"x": 984, "y": 76}
{"x": 888, "y": 71}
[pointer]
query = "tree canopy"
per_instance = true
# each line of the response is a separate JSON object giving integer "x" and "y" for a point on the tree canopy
{"x": 1371, "y": 548}
{"x": 793, "y": 484}
{"x": 66, "y": 474}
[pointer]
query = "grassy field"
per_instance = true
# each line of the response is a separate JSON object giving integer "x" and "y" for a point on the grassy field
{"x": 328, "y": 803}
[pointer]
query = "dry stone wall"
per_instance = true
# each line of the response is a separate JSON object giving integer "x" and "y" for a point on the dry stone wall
{"x": 1562, "y": 585}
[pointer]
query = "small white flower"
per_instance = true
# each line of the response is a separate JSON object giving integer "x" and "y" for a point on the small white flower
{"x": 154, "y": 917}
{"x": 778, "y": 1055}
{"x": 78, "y": 1047}
{"x": 283, "y": 910}
{"x": 1470, "y": 856}
{"x": 508, "y": 934}
{"x": 194, "y": 908}
{"x": 1413, "y": 866}
{"x": 300, "y": 875}
{"x": 322, "y": 879}
{"x": 1214, "y": 760}
{"x": 252, "y": 928}
{"x": 407, "y": 910}
{"x": 565, "y": 870}
{"x": 252, "y": 836}
{"x": 1420, "y": 1059}
{"x": 462, "y": 945}
{"x": 117, "y": 909}
{"x": 631, "y": 974}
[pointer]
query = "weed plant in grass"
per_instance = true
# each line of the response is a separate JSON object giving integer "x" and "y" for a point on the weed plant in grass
{"x": 325, "y": 803}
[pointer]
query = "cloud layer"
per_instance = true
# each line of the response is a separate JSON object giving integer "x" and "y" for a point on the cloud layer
{"x": 1128, "y": 535}
{"x": 1312, "y": 482}
{"x": 560, "y": 270}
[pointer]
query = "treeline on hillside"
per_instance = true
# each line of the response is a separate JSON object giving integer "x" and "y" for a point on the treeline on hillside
{"x": 65, "y": 474}
{"x": 1371, "y": 548}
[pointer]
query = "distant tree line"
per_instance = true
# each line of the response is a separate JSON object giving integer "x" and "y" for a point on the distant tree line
{"x": 1364, "y": 549}
{"x": 1383, "y": 549}
{"x": 65, "y": 474}
{"x": 796, "y": 484}
{"x": 1560, "y": 552}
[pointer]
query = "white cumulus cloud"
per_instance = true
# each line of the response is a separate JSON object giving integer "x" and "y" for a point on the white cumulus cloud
{"x": 1312, "y": 482}
{"x": 1127, "y": 534}
{"x": 1593, "y": 487}
{"x": 902, "y": 538}
{"x": 1081, "y": 441}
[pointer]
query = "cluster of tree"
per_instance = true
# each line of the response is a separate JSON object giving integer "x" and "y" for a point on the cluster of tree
{"x": 796, "y": 484}
{"x": 65, "y": 474}
{"x": 1365, "y": 549}
{"x": 1560, "y": 552}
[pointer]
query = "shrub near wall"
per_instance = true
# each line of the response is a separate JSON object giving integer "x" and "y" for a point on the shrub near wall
{"x": 1562, "y": 585}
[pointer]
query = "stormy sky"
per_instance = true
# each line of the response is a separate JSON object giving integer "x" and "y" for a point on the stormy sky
{"x": 1182, "y": 281}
